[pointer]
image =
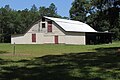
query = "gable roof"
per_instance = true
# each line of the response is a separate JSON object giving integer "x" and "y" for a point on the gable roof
{"x": 71, "y": 25}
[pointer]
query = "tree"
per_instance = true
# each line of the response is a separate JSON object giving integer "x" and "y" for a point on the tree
{"x": 7, "y": 7}
{"x": 34, "y": 8}
{"x": 52, "y": 10}
{"x": 4, "y": 22}
{"x": 108, "y": 11}
{"x": 33, "y": 14}
{"x": 103, "y": 14}
{"x": 49, "y": 11}
{"x": 42, "y": 11}
{"x": 79, "y": 10}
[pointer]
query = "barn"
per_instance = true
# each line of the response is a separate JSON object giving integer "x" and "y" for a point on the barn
{"x": 49, "y": 30}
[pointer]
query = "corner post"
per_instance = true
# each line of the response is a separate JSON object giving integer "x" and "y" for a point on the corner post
{"x": 14, "y": 49}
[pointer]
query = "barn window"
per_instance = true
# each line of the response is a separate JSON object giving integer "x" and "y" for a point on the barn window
{"x": 49, "y": 26}
{"x": 43, "y": 25}
{"x": 33, "y": 37}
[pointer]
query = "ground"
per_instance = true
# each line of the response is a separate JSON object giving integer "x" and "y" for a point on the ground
{"x": 60, "y": 62}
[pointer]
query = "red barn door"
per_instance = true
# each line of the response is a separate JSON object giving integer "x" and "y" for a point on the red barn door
{"x": 56, "y": 39}
{"x": 33, "y": 37}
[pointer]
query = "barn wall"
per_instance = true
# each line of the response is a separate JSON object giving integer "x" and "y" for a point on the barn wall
{"x": 61, "y": 39}
{"x": 37, "y": 28}
{"x": 51, "y": 39}
{"x": 48, "y": 39}
{"x": 17, "y": 40}
{"x": 43, "y": 37}
{"x": 75, "y": 39}
{"x": 50, "y": 36}
{"x": 25, "y": 39}
{"x": 39, "y": 38}
{"x": 34, "y": 28}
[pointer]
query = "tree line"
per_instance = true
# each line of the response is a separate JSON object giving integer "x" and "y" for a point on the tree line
{"x": 102, "y": 15}
{"x": 14, "y": 22}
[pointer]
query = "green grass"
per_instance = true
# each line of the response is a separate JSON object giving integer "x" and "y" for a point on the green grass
{"x": 31, "y": 51}
{"x": 60, "y": 62}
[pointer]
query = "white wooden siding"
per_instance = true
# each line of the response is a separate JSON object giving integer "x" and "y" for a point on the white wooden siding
{"x": 77, "y": 40}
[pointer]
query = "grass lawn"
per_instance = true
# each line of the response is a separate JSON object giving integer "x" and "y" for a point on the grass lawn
{"x": 60, "y": 62}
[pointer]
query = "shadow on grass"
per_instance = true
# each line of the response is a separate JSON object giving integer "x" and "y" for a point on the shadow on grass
{"x": 101, "y": 65}
{"x": 3, "y": 52}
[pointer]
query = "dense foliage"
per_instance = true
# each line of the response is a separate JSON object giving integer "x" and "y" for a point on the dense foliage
{"x": 102, "y": 15}
{"x": 17, "y": 21}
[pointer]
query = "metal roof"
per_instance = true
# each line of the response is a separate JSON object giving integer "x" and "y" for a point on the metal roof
{"x": 71, "y": 25}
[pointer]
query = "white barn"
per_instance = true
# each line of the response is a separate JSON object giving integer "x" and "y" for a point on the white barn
{"x": 49, "y": 30}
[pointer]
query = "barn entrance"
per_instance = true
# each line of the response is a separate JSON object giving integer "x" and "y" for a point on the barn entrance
{"x": 56, "y": 39}
{"x": 33, "y": 37}
{"x": 98, "y": 38}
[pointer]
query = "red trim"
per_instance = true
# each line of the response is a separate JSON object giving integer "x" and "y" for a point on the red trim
{"x": 56, "y": 39}
{"x": 33, "y": 37}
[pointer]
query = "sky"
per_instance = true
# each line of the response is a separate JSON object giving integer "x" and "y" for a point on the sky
{"x": 63, "y": 6}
